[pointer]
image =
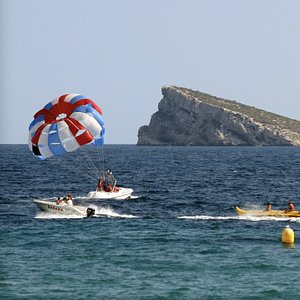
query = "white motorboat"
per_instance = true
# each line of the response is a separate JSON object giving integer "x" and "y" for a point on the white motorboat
{"x": 120, "y": 193}
{"x": 64, "y": 208}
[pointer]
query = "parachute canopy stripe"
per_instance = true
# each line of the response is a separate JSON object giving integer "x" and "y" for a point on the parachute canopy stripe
{"x": 40, "y": 118}
{"x": 82, "y": 135}
{"x": 99, "y": 142}
{"x": 65, "y": 124}
{"x": 87, "y": 121}
{"x": 37, "y": 134}
{"x": 48, "y": 106}
{"x": 90, "y": 110}
{"x": 54, "y": 142}
{"x": 76, "y": 98}
{"x": 42, "y": 149}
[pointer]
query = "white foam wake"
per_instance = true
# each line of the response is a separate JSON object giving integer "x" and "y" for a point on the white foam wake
{"x": 47, "y": 215}
{"x": 133, "y": 197}
{"x": 109, "y": 212}
{"x": 246, "y": 218}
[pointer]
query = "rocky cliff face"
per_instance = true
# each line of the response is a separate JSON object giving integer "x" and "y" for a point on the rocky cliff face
{"x": 187, "y": 117}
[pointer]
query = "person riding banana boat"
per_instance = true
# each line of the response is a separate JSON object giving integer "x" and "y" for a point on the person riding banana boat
{"x": 289, "y": 212}
{"x": 291, "y": 207}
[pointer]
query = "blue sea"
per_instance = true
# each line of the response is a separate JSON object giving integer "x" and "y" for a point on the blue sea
{"x": 177, "y": 238}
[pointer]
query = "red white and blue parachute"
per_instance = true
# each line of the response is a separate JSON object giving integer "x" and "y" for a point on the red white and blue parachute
{"x": 64, "y": 125}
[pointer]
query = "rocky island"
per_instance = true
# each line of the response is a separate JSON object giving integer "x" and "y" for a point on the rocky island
{"x": 191, "y": 118}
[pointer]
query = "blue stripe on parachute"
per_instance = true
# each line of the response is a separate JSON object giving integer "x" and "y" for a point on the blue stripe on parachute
{"x": 54, "y": 142}
{"x": 77, "y": 98}
{"x": 80, "y": 108}
{"x": 48, "y": 106}
{"x": 95, "y": 113}
{"x": 99, "y": 141}
{"x": 36, "y": 120}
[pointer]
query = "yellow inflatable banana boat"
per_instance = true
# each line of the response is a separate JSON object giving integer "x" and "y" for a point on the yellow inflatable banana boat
{"x": 264, "y": 213}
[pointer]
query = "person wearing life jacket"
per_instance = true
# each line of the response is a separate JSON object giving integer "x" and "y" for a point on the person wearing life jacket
{"x": 109, "y": 188}
{"x": 100, "y": 184}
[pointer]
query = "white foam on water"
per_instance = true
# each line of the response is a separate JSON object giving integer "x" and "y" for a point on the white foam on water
{"x": 80, "y": 197}
{"x": 246, "y": 218}
{"x": 47, "y": 215}
{"x": 204, "y": 217}
{"x": 133, "y": 197}
{"x": 109, "y": 212}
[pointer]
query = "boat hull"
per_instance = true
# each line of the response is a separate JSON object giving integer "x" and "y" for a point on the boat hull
{"x": 52, "y": 207}
{"x": 272, "y": 213}
{"x": 121, "y": 194}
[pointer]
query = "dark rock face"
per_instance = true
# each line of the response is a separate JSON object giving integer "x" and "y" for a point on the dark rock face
{"x": 187, "y": 117}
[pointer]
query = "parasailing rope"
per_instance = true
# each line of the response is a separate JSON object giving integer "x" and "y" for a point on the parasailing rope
{"x": 81, "y": 163}
{"x": 93, "y": 167}
{"x": 76, "y": 165}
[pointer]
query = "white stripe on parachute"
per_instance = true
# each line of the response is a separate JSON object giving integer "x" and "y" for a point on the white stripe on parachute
{"x": 89, "y": 122}
{"x": 66, "y": 137}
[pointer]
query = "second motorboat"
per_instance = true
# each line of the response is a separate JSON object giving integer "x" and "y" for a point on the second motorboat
{"x": 120, "y": 194}
{"x": 107, "y": 189}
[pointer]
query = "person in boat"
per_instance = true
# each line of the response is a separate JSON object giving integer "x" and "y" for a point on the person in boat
{"x": 108, "y": 188}
{"x": 101, "y": 184}
{"x": 291, "y": 207}
{"x": 269, "y": 207}
{"x": 58, "y": 201}
{"x": 68, "y": 200}
{"x": 109, "y": 177}
{"x": 110, "y": 182}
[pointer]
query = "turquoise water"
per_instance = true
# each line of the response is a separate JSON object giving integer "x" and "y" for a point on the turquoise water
{"x": 179, "y": 238}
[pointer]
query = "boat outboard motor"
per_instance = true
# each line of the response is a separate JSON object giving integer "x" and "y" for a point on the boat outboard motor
{"x": 90, "y": 212}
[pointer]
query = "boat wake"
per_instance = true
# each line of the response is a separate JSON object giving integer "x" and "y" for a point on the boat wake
{"x": 47, "y": 215}
{"x": 132, "y": 197}
{"x": 242, "y": 218}
{"x": 109, "y": 212}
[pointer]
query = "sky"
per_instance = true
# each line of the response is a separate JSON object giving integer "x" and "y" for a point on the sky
{"x": 120, "y": 53}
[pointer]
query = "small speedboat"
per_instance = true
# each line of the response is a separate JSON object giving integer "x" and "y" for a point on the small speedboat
{"x": 64, "y": 208}
{"x": 120, "y": 194}
{"x": 267, "y": 213}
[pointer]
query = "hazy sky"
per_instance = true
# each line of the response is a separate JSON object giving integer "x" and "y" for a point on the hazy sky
{"x": 120, "y": 53}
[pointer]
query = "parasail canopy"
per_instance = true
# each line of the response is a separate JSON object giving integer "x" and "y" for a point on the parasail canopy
{"x": 64, "y": 125}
